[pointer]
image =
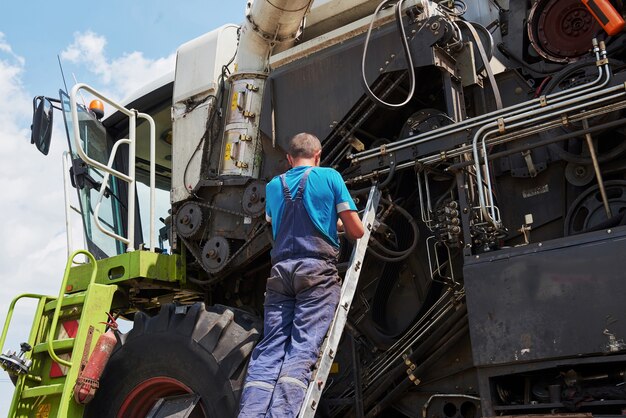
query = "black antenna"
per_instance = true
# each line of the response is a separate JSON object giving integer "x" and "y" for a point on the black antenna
{"x": 62, "y": 74}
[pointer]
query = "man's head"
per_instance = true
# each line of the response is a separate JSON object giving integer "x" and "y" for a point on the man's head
{"x": 304, "y": 149}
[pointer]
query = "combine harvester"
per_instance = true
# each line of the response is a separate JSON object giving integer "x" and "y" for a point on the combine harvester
{"x": 489, "y": 136}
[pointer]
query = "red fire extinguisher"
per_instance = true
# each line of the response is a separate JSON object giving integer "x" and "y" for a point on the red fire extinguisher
{"x": 89, "y": 378}
{"x": 604, "y": 12}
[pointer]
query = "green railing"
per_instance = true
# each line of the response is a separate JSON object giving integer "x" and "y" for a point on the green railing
{"x": 57, "y": 310}
{"x": 59, "y": 304}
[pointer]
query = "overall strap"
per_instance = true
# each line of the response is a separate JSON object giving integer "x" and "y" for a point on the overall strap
{"x": 286, "y": 192}
{"x": 302, "y": 183}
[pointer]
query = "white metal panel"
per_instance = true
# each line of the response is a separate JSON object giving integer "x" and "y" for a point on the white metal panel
{"x": 198, "y": 69}
{"x": 199, "y": 62}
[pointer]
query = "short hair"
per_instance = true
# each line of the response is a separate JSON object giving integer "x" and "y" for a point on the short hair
{"x": 304, "y": 145}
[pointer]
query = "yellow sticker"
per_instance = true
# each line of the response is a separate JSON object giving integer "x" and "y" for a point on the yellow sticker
{"x": 43, "y": 411}
{"x": 334, "y": 368}
{"x": 227, "y": 151}
{"x": 233, "y": 104}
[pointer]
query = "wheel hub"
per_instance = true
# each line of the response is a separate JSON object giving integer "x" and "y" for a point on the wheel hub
{"x": 143, "y": 397}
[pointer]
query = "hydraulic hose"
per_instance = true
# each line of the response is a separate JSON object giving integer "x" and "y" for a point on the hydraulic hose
{"x": 407, "y": 53}
{"x": 393, "y": 256}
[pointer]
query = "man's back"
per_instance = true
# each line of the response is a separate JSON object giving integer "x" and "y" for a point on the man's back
{"x": 324, "y": 196}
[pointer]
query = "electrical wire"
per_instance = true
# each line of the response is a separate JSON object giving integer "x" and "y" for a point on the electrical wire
{"x": 407, "y": 53}
{"x": 215, "y": 111}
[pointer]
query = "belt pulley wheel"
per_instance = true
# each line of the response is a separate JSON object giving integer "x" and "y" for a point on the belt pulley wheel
{"x": 215, "y": 254}
{"x": 588, "y": 211}
{"x": 561, "y": 30}
{"x": 423, "y": 121}
{"x": 189, "y": 220}
{"x": 579, "y": 174}
{"x": 253, "y": 200}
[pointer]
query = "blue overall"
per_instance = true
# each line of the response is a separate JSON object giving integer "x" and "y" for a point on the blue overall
{"x": 301, "y": 297}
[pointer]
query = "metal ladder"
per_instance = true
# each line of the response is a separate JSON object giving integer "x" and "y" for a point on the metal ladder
{"x": 335, "y": 330}
{"x": 50, "y": 361}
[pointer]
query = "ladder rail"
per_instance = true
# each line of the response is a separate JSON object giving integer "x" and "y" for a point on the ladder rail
{"x": 9, "y": 316}
{"x": 57, "y": 309}
{"x": 351, "y": 280}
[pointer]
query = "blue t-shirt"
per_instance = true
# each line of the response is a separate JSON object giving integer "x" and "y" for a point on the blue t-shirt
{"x": 325, "y": 195}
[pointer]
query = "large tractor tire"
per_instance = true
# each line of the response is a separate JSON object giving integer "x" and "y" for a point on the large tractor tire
{"x": 183, "y": 349}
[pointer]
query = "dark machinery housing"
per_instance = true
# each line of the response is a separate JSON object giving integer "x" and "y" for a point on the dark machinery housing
{"x": 492, "y": 285}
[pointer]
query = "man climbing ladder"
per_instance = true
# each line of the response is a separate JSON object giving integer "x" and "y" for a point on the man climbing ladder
{"x": 303, "y": 290}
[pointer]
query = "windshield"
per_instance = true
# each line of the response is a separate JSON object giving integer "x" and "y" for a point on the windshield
{"x": 96, "y": 145}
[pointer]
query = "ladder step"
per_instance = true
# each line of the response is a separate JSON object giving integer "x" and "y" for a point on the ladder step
{"x": 59, "y": 346}
{"x": 43, "y": 390}
{"x": 69, "y": 300}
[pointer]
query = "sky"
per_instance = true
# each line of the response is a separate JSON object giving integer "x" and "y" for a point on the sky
{"x": 116, "y": 47}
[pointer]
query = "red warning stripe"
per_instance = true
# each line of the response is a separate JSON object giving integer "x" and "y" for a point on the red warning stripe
{"x": 68, "y": 329}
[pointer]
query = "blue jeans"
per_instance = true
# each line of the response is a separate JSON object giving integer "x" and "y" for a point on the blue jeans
{"x": 300, "y": 302}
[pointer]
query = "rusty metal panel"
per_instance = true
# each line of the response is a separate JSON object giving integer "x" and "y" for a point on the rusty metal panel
{"x": 561, "y": 299}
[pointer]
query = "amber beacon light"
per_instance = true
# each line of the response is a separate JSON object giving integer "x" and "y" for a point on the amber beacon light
{"x": 606, "y": 15}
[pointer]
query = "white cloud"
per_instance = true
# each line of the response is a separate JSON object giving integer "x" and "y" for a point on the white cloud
{"x": 32, "y": 251}
{"x": 5, "y": 47}
{"x": 122, "y": 75}
{"x": 32, "y": 218}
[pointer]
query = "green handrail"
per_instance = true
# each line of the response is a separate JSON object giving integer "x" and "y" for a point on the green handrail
{"x": 57, "y": 309}
{"x": 5, "y": 330}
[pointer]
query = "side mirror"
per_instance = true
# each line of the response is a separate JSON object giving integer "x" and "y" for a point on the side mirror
{"x": 41, "y": 129}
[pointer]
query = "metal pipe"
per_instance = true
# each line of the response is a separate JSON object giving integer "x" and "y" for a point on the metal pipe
{"x": 456, "y": 335}
{"x": 366, "y": 113}
{"x": 268, "y": 23}
{"x": 356, "y": 370}
{"x": 108, "y": 168}
{"x": 506, "y": 112}
{"x": 429, "y": 343}
{"x": 433, "y": 159}
{"x": 132, "y": 152}
{"x": 579, "y": 103}
{"x": 596, "y": 167}
{"x": 430, "y": 319}
{"x": 423, "y": 326}
{"x": 538, "y": 144}
{"x": 152, "y": 177}
{"x": 66, "y": 198}
{"x": 103, "y": 187}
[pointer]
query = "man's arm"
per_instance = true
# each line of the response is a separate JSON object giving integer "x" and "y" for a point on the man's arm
{"x": 352, "y": 225}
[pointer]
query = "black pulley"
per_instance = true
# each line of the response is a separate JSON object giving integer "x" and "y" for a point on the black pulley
{"x": 588, "y": 212}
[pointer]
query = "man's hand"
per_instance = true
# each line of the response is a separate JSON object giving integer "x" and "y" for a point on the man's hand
{"x": 351, "y": 224}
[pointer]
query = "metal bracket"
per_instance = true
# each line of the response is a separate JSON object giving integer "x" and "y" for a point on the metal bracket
{"x": 532, "y": 170}
{"x": 501, "y": 127}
